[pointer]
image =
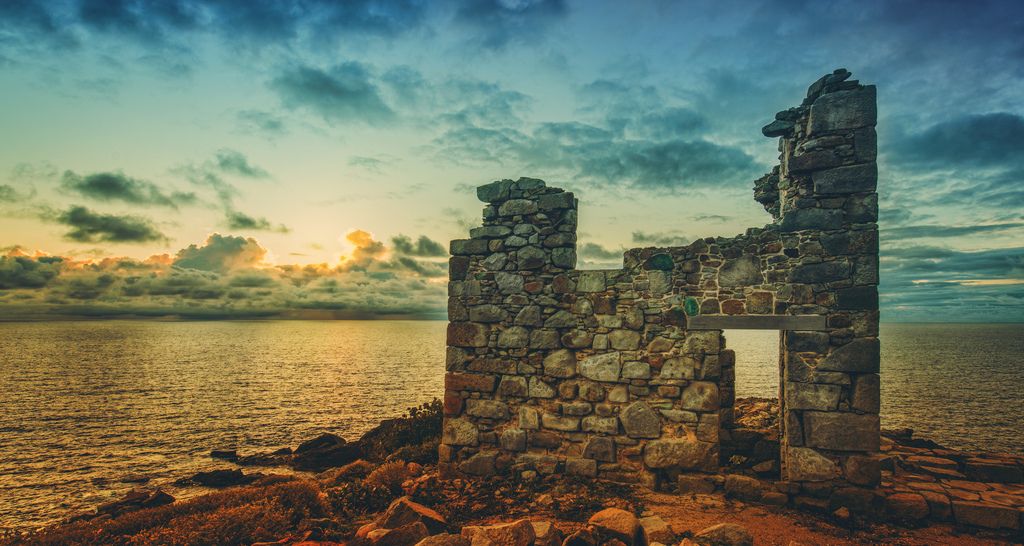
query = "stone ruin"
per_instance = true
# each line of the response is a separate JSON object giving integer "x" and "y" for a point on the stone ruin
{"x": 624, "y": 374}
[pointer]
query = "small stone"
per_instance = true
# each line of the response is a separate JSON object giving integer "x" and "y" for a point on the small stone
{"x": 405, "y": 535}
{"x": 654, "y": 529}
{"x": 515, "y": 337}
{"x": 509, "y": 283}
{"x": 488, "y": 409}
{"x": 624, "y": 340}
{"x": 906, "y": 507}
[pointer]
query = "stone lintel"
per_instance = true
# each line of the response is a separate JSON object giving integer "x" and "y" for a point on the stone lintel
{"x": 756, "y": 322}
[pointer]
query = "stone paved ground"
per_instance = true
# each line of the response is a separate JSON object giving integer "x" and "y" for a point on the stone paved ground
{"x": 924, "y": 480}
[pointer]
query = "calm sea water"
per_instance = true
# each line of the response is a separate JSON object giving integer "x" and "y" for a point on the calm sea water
{"x": 87, "y": 407}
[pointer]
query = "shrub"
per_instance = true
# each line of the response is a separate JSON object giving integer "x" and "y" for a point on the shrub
{"x": 356, "y": 470}
{"x": 421, "y": 425}
{"x": 358, "y": 498}
{"x": 389, "y": 475}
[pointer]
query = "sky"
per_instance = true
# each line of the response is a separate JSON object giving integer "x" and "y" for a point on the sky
{"x": 312, "y": 158}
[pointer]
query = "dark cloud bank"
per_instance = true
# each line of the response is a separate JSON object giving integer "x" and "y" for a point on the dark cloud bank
{"x": 227, "y": 277}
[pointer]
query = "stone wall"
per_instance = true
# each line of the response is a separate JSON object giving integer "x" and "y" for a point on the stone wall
{"x": 623, "y": 374}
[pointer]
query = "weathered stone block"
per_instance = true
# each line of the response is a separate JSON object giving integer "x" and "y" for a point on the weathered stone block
{"x": 601, "y": 367}
{"x": 843, "y": 110}
{"x": 624, "y": 340}
{"x": 469, "y": 382}
{"x": 514, "y": 337}
{"x": 806, "y": 342}
{"x": 513, "y": 386}
{"x": 552, "y": 201}
{"x": 601, "y": 425}
{"x": 860, "y": 355}
{"x": 843, "y": 180}
{"x": 841, "y": 431}
{"x": 599, "y": 448}
{"x": 466, "y": 247}
{"x": 814, "y": 161}
{"x": 563, "y": 257}
{"x": 640, "y": 421}
{"x": 591, "y": 281}
{"x": 700, "y": 396}
{"x": 812, "y": 396}
{"x": 561, "y": 319}
{"x": 987, "y": 515}
{"x": 561, "y": 363}
{"x": 514, "y": 207}
{"x": 740, "y": 272}
{"x": 544, "y": 339}
{"x": 857, "y": 298}
{"x": 487, "y": 313}
{"x": 509, "y": 283}
{"x": 513, "y": 439}
{"x": 821, "y": 272}
{"x": 467, "y": 334}
{"x": 529, "y": 419}
{"x": 636, "y": 370}
{"x": 682, "y": 453}
{"x": 488, "y": 409}
{"x": 804, "y": 464}
{"x": 804, "y": 219}
{"x": 559, "y": 422}
{"x": 459, "y": 432}
{"x": 531, "y": 257}
{"x": 539, "y": 389}
{"x": 495, "y": 191}
{"x": 575, "y": 466}
{"x": 866, "y": 393}
{"x": 862, "y": 470}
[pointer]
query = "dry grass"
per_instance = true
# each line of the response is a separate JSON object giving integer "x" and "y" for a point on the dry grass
{"x": 237, "y": 516}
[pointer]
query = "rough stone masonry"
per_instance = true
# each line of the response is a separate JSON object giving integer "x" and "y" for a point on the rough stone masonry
{"x": 623, "y": 374}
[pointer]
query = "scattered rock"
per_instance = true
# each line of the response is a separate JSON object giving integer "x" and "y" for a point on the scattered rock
{"x": 582, "y": 537}
{"x": 617, "y": 523}
{"x": 135, "y": 500}
{"x": 444, "y": 540}
{"x": 724, "y": 534}
{"x": 517, "y": 533}
{"x": 407, "y": 535}
{"x": 225, "y": 454}
{"x": 403, "y": 511}
{"x": 325, "y": 451}
{"x": 654, "y": 529}
{"x": 220, "y": 478}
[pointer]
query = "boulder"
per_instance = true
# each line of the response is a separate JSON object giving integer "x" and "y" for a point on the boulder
{"x": 444, "y": 540}
{"x": 517, "y": 533}
{"x": 403, "y": 511}
{"x": 654, "y": 529}
{"x": 640, "y": 421}
{"x": 221, "y": 478}
{"x": 407, "y": 535}
{"x": 545, "y": 534}
{"x": 724, "y": 534}
{"x": 135, "y": 500}
{"x": 583, "y": 537}
{"x": 618, "y": 524}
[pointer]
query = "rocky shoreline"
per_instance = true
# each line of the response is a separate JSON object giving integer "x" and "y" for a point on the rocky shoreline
{"x": 384, "y": 490}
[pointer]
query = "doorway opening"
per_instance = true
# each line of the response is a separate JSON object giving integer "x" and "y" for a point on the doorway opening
{"x": 751, "y": 433}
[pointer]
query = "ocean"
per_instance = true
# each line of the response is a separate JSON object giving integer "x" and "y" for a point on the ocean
{"x": 88, "y": 410}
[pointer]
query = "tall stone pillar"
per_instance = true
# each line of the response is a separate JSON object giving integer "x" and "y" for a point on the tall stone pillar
{"x": 824, "y": 196}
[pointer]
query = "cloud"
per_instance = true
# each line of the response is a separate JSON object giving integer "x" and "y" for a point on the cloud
{"x": 10, "y": 195}
{"x": 116, "y": 186}
{"x": 27, "y": 272}
{"x": 221, "y": 253}
{"x": 495, "y": 24}
{"x": 259, "y": 121}
{"x": 343, "y": 93}
{"x": 936, "y": 231}
{"x": 424, "y": 246}
{"x": 93, "y": 227}
{"x": 976, "y": 140}
{"x": 596, "y": 251}
{"x": 661, "y": 238}
{"x": 234, "y": 162}
{"x": 241, "y": 220}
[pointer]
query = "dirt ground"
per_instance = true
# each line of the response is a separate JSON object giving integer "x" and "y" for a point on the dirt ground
{"x": 784, "y": 526}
